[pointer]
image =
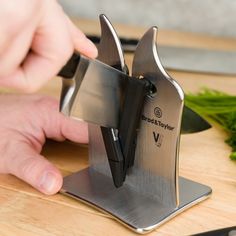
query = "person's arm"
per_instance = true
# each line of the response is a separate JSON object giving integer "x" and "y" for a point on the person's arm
{"x": 37, "y": 39}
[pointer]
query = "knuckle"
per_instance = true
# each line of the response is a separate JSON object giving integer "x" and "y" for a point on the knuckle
{"x": 4, "y": 161}
{"x": 26, "y": 167}
{"x": 8, "y": 154}
{"x": 66, "y": 54}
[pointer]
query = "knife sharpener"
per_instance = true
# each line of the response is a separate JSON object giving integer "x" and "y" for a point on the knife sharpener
{"x": 153, "y": 191}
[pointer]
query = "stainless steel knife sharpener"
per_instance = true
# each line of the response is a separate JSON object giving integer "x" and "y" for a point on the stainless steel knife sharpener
{"x": 153, "y": 191}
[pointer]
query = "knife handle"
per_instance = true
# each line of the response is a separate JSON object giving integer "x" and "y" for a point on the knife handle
{"x": 68, "y": 71}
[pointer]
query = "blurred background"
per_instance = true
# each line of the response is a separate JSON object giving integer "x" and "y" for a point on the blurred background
{"x": 216, "y": 18}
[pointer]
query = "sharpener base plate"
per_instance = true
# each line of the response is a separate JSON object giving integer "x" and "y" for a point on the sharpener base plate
{"x": 138, "y": 212}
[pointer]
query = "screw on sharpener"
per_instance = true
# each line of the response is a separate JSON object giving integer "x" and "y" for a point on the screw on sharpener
{"x": 153, "y": 192}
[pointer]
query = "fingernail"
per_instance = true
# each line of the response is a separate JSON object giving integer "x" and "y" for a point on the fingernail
{"x": 48, "y": 182}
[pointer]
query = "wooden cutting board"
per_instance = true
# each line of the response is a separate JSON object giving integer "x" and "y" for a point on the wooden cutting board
{"x": 203, "y": 158}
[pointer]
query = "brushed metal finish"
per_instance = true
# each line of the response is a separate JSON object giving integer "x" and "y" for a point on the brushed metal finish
{"x": 140, "y": 212}
{"x": 110, "y": 50}
{"x": 97, "y": 153}
{"x": 156, "y": 159}
{"x": 93, "y": 97}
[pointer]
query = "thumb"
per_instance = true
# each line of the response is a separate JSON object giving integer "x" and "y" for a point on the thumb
{"x": 34, "y": 169}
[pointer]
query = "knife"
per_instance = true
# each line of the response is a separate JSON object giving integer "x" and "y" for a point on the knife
{"x": 230, "y": 231}
{"x": 92, "y": 92}
{"x": 192, "y": 122}
{"x": 186, "y": 58}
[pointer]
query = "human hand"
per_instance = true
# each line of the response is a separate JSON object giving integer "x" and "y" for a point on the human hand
{"x": 37, "y": 39}
{"x": 26, "y": 121}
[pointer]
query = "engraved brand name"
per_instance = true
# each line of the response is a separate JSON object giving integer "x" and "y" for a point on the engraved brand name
{"x": 158, "y": 123}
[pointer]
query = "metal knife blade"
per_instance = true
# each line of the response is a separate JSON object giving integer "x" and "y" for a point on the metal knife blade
{"x": 94, "y": 94}
{"x": 198, "y": 60}
{"x": 188, "y": 59}
{"x": 92, "y": 91}
{"x": 192, "y": 122}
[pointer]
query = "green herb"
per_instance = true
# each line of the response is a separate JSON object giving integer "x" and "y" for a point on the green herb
{"x": 219, "y": 107}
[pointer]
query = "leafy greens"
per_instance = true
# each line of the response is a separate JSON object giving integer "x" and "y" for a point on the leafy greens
{"x": 219, "y": 107}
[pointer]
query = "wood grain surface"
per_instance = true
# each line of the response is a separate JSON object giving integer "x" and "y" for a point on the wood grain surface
{"x": 203, "y": 158}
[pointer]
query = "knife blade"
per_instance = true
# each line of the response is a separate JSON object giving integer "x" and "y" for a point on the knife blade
{"x": 92, "y": 91}
{"x": 192, "y": 122}
{"x": 188, "y": 59}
